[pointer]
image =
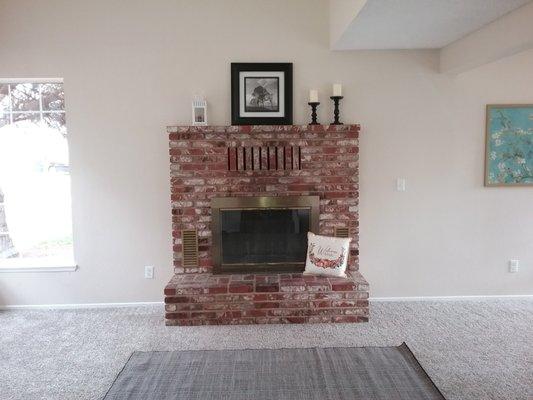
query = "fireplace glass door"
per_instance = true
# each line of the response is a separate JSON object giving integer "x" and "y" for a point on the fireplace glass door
{"x": 264, "y": 236}
{"x": 267, "y": 238}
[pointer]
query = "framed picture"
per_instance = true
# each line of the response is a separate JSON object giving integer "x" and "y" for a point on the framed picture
{"x": 509, "y": 145}
{"x": 261, "y": 93}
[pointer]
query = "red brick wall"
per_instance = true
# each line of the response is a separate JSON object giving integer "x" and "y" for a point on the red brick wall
{"x": 207, "y": 162}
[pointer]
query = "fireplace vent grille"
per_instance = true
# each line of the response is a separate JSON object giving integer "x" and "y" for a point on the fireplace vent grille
{"x": 190, "y": 248}
{"x": 342, "y": 232}
{"x": 268, "y": 158}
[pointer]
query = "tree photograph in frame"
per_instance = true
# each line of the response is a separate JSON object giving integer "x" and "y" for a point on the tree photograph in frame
{"x": 509, "y": 145}
{"x": 261, "y": 93}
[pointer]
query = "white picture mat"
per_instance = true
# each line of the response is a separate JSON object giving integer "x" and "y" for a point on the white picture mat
{"x": 262, "y": 74}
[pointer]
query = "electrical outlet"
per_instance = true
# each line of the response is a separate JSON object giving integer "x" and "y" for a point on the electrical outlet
{"x": 400, "y": 184}
{"x": 149, "y": 272}
{"x": 514, "y": 265}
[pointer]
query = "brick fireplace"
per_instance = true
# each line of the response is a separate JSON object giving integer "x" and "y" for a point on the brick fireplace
{"x": 208, "y": 165}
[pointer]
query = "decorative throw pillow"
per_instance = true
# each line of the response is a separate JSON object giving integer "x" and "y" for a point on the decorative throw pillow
{"x": 326, "y": 255}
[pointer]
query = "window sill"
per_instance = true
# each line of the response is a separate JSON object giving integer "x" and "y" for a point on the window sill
{"x": 37, "y": 265}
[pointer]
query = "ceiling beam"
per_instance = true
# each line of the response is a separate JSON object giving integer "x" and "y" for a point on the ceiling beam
{"x": 508, "y": 35}
{"x": 341, "y": 15}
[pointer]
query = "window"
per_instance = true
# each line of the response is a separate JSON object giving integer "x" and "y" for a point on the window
{"x": 35, "y": 204}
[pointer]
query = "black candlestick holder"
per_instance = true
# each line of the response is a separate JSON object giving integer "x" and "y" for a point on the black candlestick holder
{"x": 336, "y": 100}
{"x": 314, "y": 105}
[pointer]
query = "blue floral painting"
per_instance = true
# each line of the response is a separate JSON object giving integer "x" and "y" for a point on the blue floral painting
{"x": 509, "y": 145}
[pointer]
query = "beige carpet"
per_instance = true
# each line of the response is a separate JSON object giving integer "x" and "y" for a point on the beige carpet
{"x": 472, "y": 350}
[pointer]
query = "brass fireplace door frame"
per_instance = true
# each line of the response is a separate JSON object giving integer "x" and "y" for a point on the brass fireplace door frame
{"x": 258, "y": 203}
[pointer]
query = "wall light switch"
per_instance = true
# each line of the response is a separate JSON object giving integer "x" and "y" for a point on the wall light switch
{"x": 400, "y": 184}
{"x": 149, "y": 272}
{"x": 514, "y": 265}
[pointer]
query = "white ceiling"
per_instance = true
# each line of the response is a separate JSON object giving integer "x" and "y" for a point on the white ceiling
{"x": 420, "y": 24}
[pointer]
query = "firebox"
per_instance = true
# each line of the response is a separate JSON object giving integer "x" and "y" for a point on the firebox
{"x": 262, "y": 234}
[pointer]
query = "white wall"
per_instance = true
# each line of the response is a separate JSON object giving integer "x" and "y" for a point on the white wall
{"x": 131, "y": 68}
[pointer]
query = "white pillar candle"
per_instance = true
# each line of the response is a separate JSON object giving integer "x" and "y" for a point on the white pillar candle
{"x": 313, "y": 96}
{"x": 337, "y": 89}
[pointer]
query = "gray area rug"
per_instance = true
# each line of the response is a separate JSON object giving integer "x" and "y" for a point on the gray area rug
{"x": 337, "y": 373}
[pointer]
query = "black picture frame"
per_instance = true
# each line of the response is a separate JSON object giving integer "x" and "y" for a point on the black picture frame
{"x": 238, "y": 98}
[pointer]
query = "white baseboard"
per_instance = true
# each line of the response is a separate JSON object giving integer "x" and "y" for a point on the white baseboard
{"x": 78, "y": 306}
{"x": 160, "y": 303}
{"x": 453, "y": 298}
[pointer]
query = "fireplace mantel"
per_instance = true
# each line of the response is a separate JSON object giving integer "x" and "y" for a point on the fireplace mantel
{"x": 209, "y": 162}
{"x": 258, "y": 129}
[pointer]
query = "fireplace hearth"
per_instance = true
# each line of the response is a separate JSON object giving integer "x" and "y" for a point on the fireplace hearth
{"x": 262, "y": 234}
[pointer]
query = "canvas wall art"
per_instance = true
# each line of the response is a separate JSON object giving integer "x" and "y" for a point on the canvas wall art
{"x": 509, "y": 145}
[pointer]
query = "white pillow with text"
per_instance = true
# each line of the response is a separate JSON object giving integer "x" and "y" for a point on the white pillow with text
{"x": 326, "y": 255}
